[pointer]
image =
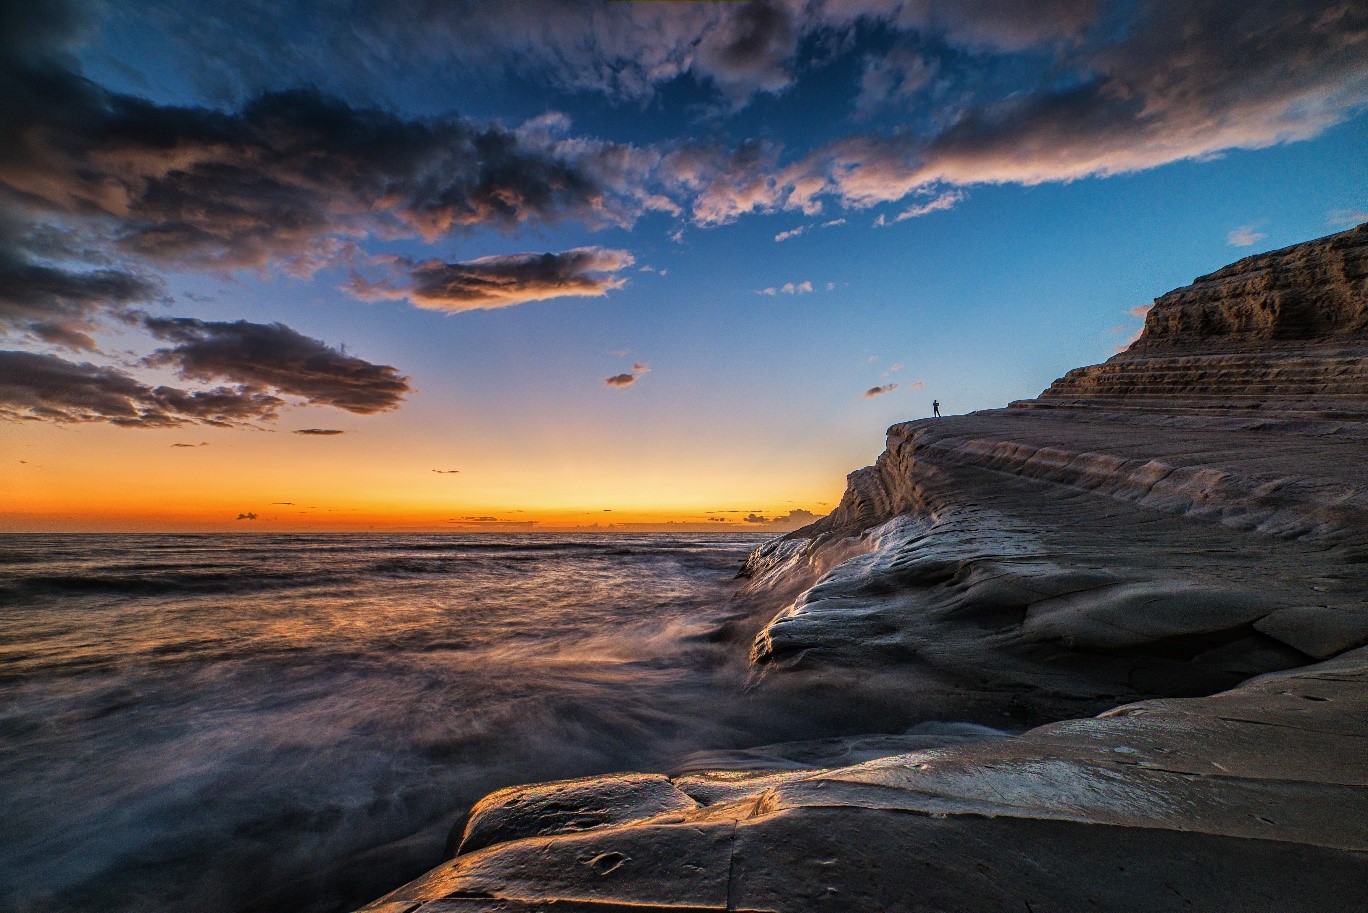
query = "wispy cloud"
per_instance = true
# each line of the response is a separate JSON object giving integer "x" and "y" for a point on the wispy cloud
{"x": 801, "y": 229}
{"x": 1346, "y": 218}
{"x": 788, "y": 288}
{"x": 879, "y": 390}
{"x": 320, "y": 432}
{"x": 1245, "y": 236}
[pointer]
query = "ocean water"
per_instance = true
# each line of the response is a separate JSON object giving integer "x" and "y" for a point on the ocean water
{"x": 226, "y": 723}
{"x": 268, "y": 723}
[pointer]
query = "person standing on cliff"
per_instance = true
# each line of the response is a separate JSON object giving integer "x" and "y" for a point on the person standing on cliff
{"x": 935, "y": 408}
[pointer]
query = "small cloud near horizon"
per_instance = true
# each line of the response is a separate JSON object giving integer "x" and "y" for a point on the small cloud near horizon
{"x": 792, "y": 520}
{"x": 1346, "y": 218}
{"x": 247, "y": 516}
{"x": 200, "y": 444}
{"x": 626, "y": 379}
{"x": 1245, "y": 236}
{"x": 446, "y": 472}
{"x": 320, "y": 432}
{"x": 493, "y": 523}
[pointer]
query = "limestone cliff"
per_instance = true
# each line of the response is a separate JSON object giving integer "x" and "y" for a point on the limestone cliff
{"x": 1162, "y": 564}
{"x": 1280, "y": 329}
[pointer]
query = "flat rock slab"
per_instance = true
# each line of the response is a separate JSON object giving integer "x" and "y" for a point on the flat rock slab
{"x": 569, "y": 805}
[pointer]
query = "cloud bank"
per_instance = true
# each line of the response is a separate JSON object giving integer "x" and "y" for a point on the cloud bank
{"x": 38, "y": 387}
{"x": 273, "y": 356}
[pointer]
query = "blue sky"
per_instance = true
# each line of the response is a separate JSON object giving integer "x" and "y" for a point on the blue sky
{"x": 458, "y": 221}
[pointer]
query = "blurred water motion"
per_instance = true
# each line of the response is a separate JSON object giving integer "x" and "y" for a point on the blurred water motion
{"x": 274, "y": 722}
{"x": 233, "y": 723}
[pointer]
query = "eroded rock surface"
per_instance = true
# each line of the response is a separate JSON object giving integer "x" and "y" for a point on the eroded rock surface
{"x": 1288, "y": 327}
{"x": 1161, "y": 566}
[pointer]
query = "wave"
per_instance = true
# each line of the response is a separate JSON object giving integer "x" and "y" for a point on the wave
{"x": 246, "y": 723}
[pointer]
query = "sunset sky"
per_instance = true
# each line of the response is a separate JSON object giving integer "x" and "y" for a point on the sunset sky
{"x": 472, "y": 265}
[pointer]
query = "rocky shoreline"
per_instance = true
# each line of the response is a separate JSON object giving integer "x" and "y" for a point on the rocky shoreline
{"x": 1160, "y": 566}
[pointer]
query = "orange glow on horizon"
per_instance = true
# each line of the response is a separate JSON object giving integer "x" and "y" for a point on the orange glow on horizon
{"x": 105, "y": 479}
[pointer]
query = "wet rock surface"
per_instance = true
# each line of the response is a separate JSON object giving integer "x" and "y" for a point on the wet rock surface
{"x": 1158, "y": 571}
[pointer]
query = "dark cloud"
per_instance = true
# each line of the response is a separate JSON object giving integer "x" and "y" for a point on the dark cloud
{"x": 1179, "y": 81}
{"x": 275, "y": 357}
{"x": 247, "y": 516}
{"x": 320, "y": 432}
{"x": 33, "y": 30}
{"x": 751, "y": 49}
{"x": 880, "y": 390}
{"x": 200, "y": 444}
{"x": 290, "y": 177}
{"x": 501, "y": 281}
{"x": 1186, "y": 81}
{"x": 626, "y": 379}
{"x": 1025, "y": 93}
{"x": 446, "y": 472}
{"x": 49, "y": 300}
{"x": 622, "y": 50}
{"x": 37, "y": 387}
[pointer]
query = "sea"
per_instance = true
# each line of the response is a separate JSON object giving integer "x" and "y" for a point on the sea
{"x": 226, "y": 723}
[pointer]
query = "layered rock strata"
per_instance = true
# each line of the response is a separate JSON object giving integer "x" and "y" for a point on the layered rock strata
{"x": 1286, "y": 329}
{"x": 1161, "y": 565}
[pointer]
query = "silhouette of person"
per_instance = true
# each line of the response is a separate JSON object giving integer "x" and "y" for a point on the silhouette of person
{"x": 935, "y": 408}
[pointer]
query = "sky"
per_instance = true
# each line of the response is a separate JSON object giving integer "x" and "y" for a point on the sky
{"x": 559, "y": 264}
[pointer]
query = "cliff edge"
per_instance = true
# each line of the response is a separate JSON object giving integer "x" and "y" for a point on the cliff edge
{"x": 1156, "y": 573}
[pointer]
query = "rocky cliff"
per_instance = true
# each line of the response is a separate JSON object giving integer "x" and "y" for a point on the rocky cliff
{"x": 1286, "y": 328}
{"x": 1161, "y": 565}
